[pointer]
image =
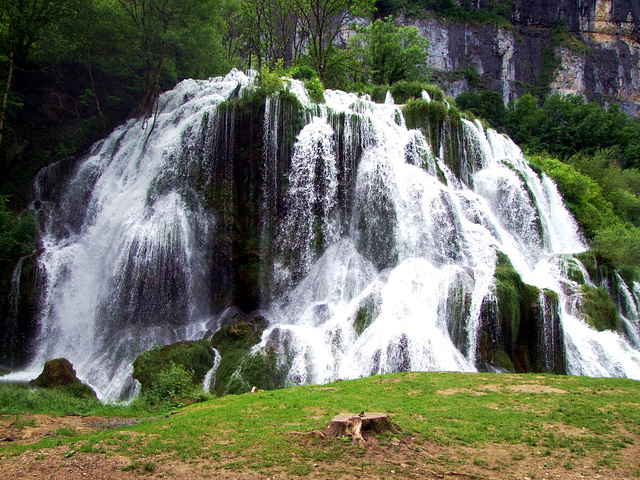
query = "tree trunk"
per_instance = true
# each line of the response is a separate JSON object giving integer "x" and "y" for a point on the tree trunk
{"x": 353, "y": 425}
{"x": 7, "y": 87}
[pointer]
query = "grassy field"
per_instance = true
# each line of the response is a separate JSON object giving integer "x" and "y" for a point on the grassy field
{"x": 465, "y": 425}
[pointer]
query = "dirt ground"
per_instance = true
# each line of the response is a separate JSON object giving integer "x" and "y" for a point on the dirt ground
{"x": 403, "y": 457}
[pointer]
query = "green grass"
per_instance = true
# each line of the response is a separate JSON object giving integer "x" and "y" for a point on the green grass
{"x": 20, "y": 398}
{"x": 571, "y": 416}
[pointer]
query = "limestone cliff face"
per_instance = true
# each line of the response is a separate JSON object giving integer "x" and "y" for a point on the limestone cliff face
{"x": 587, "y": 47}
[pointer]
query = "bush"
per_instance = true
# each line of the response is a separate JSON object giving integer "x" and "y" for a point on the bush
{"x": 302, "y": 72}
{"x": 315, "y": 89}
{"x": 420, "y": 113}
{"x": 269, "y": 81}
{"x": 173, "y": 387}
{"x": 582, "y": 195}
{"x": 404, "y": 91}
{"x": 195, "y": 357}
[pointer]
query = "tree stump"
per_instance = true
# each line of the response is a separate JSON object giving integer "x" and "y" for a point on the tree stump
{"x": 353, "y": 425}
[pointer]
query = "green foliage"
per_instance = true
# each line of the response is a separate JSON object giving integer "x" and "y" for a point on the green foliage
{"x": 604, "y": 219}
{"x": 419, "y": 113}
{"x": 260, "y": 370}
{"x": 563, "y": 37}
{"x": 269, "y": 80}
{"x": 620, "y": 187}
{"x": 486, "y": 104}
{"x": 582, "y": 195}
{"x": 404, "y": 91}
{"x": 564, "y": 126}
{"x": 389, "y": 53}
{"x": 315, "y": 89}
{"x": 302, "y": 72}
{"x": 194, "y": 358}
{"x": 514, "y": 296}
{"x": 17, "y": 234}
{"x": 172, "y": 387}
{"x": 234, "y": 341}
{"x": 618, "y": 244}
{"x": 466, "y": 11}
{"x": 323, "y": 20}
{"x": 378, "y": 93}
{"x": 598, "y": 308}
{"x": 16, "y": 398}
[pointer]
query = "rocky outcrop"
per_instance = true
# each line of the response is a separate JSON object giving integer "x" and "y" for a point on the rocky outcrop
{"x": 59, "y": 373}
{"x": 586, "y": 47}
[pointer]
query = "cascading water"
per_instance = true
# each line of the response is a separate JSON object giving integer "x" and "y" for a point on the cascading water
{"x": 364, "y": 249}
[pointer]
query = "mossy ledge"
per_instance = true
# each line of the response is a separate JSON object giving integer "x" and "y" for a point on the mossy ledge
{"x": 520, "y": 327}
{"x": 240, "y": 368}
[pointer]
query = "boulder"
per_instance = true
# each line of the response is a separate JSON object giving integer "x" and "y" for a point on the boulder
{"x": 59, "y": 373}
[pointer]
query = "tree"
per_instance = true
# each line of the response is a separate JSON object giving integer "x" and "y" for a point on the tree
{"x": 22, "y": 23}
{"x": 322, "y": 21}
{"x": 156, "y": 40}
{"x": 390, "y": 53}
{"x": 487, "y": 105}
{"x": 270, "y": 28}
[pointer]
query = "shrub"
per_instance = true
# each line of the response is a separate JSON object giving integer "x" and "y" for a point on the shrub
{"x": 315, "y": 89}
{"x": 269, "y": 81}
{"x": 302, "y": 72}
{"x": 195, "y": 357}
{"x": 173, "y": 387}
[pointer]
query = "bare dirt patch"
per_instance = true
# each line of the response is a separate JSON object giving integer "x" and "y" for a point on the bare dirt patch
{"x": 20, "y": 429}
{"x": 535, "y": 388}
{"x": 490, "y": 388}
{"x": 454, "y": 391}
{"x": 389, "y": 380}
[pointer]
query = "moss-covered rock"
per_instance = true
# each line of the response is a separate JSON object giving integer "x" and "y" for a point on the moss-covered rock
{"x": 458, "y": 310}
{"x": 520, "y": 326}
{"x": 59, "y": 373}
{"x": 598, "y": 309}
{"x": 240, "y": 369}
{"x": 195, "y": 357}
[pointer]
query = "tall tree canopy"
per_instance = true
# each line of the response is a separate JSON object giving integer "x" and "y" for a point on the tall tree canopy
{"x": 389, "y": 53}
{"x": 324, "y": 20}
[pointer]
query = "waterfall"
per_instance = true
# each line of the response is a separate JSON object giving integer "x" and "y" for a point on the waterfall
{"x": 368, "y": 247}
{"x": 11, "y": 324}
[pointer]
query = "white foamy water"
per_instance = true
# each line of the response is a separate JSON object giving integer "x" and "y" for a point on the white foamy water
{"x": 382, "y": 258}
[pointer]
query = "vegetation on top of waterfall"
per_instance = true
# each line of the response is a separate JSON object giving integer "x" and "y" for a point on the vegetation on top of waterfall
{"x": 566, "y": 421}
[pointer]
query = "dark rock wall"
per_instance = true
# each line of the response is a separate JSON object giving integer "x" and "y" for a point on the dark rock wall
{"x": 597, "y": 54}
